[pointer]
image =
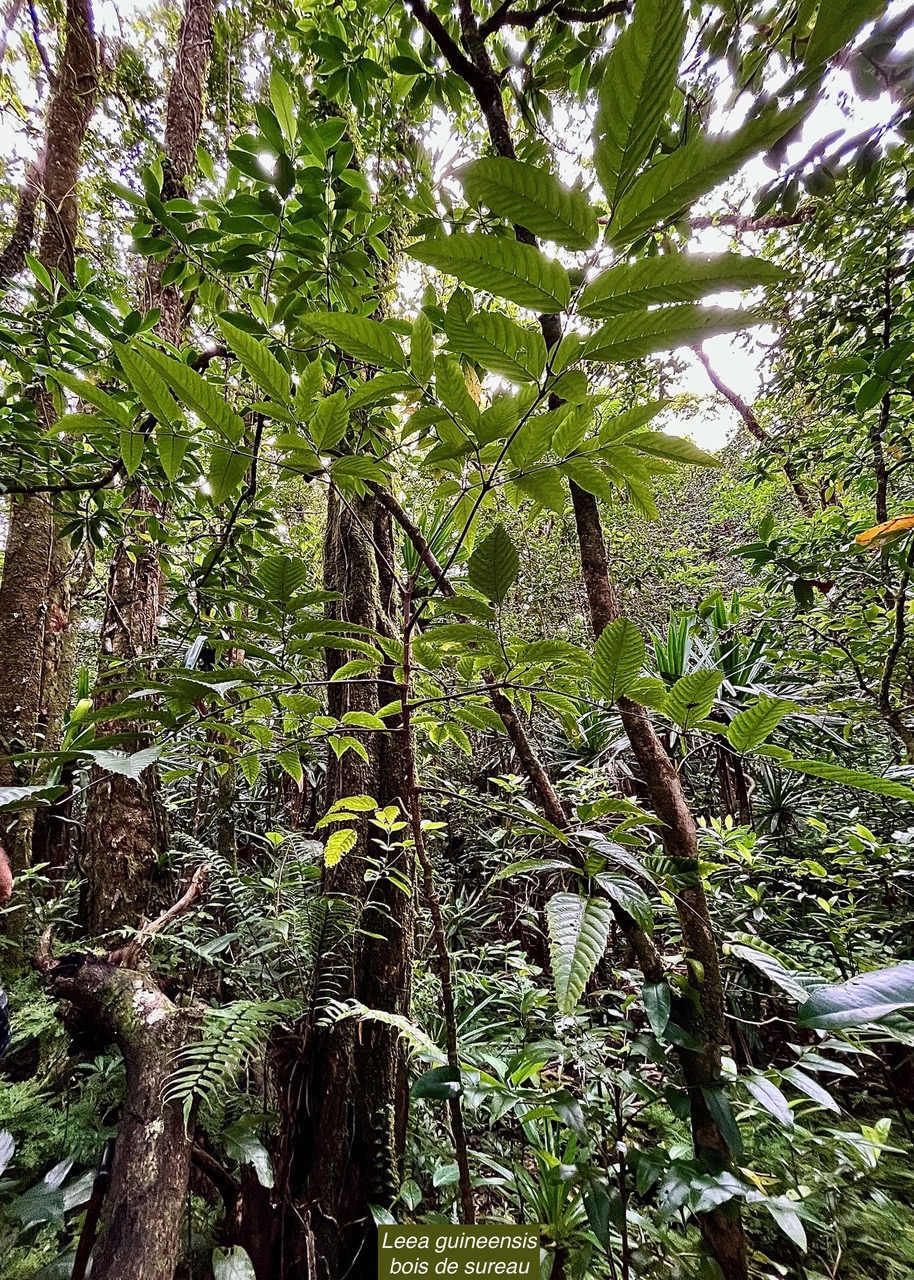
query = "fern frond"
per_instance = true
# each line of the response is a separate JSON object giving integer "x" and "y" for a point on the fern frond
{"x": 230, "y": 1037}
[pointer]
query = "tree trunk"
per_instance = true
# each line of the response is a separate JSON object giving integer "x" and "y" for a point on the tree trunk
{"x": 722, "y": 1227}
{"x": 35, "y": 586}
{"x": 126, "y": 829}
{"x": 346, "y": 1095}
{"x": 141, "y": 1224}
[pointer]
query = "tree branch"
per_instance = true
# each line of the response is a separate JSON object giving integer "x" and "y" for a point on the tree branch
{"x": 755, "y": 429}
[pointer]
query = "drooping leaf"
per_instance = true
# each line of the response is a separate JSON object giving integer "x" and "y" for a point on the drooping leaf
{"x": 439, "y": 1084}
{"x": 283, "y": 104}
{"x": 673, "y": 277}
{"x": 517, "y": 272}
{"x": 149, "y": 385}
{"x": 770, "y": 1097}
{"x": 618, "y": 659}
{"x": 751, "y": 727}
{"x": 629, "y": 896}
{"x": 532, "y": 198}
{"x": 785, "y": 1215}
{"x": 422, "y": 350}
{"x": 367, "y": 340}
{"x": 635, "y": 91}
{"x": 578, "y": 929}
{"x": 329, "y": 421}
{"x": 261, "y": 365}
{"x": 132, "y": 446}
{"x": 643, "y": 332}
{"x": 451, "y": 385}
{"x": 800, "y": 1080}
{"x": 675, "y": 181}
{"x": 657, "y": 1005}
{"x": 227, "y": 468}
{"x": 692, "y": 697}
{"x": 678, "y": 449}
{"x": 837, "y": 22}
{"x": 719, "y": 1106}
{"x": 233, "y": 1264}
{"x": 338, "y": 844}
{"x": 494, "y": 565}
{"x": 196, "y": 393}
{"x": 866, "y": 998}
{"x": 92, "y": 394}
{"x": 857, "y": 778}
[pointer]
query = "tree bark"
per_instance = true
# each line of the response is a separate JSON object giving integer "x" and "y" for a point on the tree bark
{"x": 343, "y": 1085}
{"x": 141, "y": 1223}
{"x": 35, "y": 586}
{"x": 126, "y": 828}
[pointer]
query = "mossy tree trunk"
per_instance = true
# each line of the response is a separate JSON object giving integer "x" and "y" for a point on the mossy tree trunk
{"x": 126, "y": 829}
{"x": 35, "y": 595}
{"x": 345, "y": 1094}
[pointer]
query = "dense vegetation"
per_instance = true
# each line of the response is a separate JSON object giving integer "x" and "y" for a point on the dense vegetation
{"x": 435, "y": 788}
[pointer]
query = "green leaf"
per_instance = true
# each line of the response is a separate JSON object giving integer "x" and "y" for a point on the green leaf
{"x": 128, "y": 766}
{"x": 227, "y": 468}
{"x": 545, "y": 487}
{"x": 578, "y": 929}
{"x": 837, "y": 22}
{"x": 692, "y": 697}
{"x": 329, "y": 421}
{"x": 494, "y": 565}
{"x": 517, "y": 272}
{"x": 657, "y": 1006}
{"x": 531, "y": 198}
{"x": 674, "y": 182}
{"x": 15, "y": 798}
{"x": 283, "y": 577}
{"x": 751, "y": 727}
{"x": 338, "y": 845}
{"x": 800, "y": 1080}
{"x": 770, "y": 1097}
{"x": 171, "y": 446}
{"x": 719, "y": 1106}
{"x": 150, "y": 386}
{"x": 635, "y": 91}
{"x": 260, "y": 363}
{"x": 629, "y": 896}
{"x": 196, "y": 393}
{"x": 233, "y": 1264}
{"x": 618, "y": 659}
{"x": 132, "y": 446}
{"x": 363, "y": 339}
{"x": 864, "y": 999}
{"x": 632, "y": 336}
{"x": 451, "y": 385}
{"x": 422, "y": 350}
{"x": 674, "y": 277}
{"x": 92, "y": 394}
{"x": 785, "y": 1215}
{"x": 498, "y": 344}
{"x": 440, "y": 1084}
{"x": 283, "y": 104}
{"x": 677, "y": 449}
{"x": 857, "y": 778}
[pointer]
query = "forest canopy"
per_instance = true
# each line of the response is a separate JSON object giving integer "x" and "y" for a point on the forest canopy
{"x": 456, "y": 686}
